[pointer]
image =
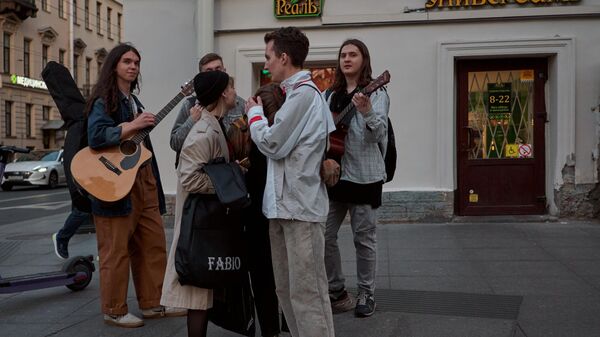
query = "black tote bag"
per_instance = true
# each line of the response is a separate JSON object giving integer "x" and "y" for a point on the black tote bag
{"x": 211, "y": 250}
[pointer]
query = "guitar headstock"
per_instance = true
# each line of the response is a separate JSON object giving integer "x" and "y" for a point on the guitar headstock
{"x": 188, "y": 88}
{"x": 377, "y": 83}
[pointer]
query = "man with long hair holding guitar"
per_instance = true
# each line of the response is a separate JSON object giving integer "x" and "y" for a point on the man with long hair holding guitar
{"x": 358, "y": 143}
{"x": 129, "y": 231}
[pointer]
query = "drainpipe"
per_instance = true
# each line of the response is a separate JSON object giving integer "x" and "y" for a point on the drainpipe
{"x": 71, "y": 42}
{"x": 205, "y": 13}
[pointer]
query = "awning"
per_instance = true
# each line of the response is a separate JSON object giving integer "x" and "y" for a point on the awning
{"x": 53, "y": 124}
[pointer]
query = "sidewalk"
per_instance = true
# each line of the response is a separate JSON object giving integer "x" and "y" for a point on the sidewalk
{"x": 434, "y": 280}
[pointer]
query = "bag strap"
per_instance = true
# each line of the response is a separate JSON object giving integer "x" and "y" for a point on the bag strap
{"x": 319, "y": 92}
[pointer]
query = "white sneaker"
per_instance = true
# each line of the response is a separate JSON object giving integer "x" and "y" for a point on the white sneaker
{"x": 162, "y": 311}
{"x": 123, "y": 321}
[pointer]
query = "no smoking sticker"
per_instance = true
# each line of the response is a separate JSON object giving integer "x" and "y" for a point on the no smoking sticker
{"x": 525, "y": 151}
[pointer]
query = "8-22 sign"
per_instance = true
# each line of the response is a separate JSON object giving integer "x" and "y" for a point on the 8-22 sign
{"x": 499, "y": 99}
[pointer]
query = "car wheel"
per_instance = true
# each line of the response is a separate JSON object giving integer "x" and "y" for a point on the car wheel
{"x": 7, "y": 187}
{"x": 53, "y": 180}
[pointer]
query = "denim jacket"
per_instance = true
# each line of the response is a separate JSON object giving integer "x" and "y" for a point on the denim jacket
{"x": 104, "y": 131}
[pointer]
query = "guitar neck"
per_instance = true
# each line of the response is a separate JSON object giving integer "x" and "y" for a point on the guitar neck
{"x": 380, "y": 81}
{"x": 337, "y": 119}
{"x": 139, "y": 137}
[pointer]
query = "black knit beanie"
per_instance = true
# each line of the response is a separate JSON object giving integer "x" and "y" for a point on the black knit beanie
{"x": 209, "y": 86}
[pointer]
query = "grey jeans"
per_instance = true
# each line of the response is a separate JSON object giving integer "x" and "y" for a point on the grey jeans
{"x": 297, "y": 249}
{"x": 363, "y": 220}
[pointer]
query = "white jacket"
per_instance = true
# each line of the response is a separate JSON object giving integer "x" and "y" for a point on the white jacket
{"x": 294, "y": 146}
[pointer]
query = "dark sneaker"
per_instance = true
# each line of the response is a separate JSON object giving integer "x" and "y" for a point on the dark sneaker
{"x": 60, "y": 248}
{"x": 365, "y": 305}
{"x": 343, "y": 303}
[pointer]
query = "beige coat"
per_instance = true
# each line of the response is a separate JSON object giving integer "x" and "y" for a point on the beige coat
{"x": 204, "y": 142}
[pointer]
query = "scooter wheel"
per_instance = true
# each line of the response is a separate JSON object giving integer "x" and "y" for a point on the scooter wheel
{"x": 81, "y": 266}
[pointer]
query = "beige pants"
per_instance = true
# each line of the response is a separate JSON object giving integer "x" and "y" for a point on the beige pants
{"x": 298, "y": 250}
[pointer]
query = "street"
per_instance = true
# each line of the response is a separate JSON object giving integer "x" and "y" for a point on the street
{"x": 27, "y": 203}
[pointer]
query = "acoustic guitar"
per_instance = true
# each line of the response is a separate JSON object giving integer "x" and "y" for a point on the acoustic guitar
{"x": 108, "y": 174}
{"x": 338, "y": 137}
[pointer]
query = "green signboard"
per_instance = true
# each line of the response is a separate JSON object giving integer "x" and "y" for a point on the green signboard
{"x": 499, "y": 100}
{"x": 297, "y": 8}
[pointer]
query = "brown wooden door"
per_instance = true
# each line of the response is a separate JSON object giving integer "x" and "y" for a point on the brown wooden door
{"x": 500, "y": 137}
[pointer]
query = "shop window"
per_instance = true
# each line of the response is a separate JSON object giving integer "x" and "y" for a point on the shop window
{"x": 323, "y": 76}
{"x": 501, "y": 114}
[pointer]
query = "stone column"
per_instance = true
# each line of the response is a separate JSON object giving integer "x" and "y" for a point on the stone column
{"x": 205, "y": 27}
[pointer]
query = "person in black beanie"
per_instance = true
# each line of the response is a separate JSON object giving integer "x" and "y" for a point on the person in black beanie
{"x": 205, "y": 141}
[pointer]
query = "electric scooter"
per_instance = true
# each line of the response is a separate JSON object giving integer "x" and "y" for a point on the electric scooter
{"x": 76, "y": 274}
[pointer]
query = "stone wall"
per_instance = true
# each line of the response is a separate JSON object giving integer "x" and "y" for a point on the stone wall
{"x": 402, "y": 206}
{"x": 577, "y": 200}
{"x": 412, "y": 206}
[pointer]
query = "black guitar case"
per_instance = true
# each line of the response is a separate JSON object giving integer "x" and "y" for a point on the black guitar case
{"x": 71, "y": 105}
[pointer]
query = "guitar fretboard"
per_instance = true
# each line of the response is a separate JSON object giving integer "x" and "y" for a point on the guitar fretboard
{"x": 380, "y": 81}
{"x": 139, "y": 137}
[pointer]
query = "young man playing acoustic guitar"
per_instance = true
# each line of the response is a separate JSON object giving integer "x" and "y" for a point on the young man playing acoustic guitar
{"x": 363, "y": 173}
{"x": 129, "y": 231}
{"x": 295, "y": 197}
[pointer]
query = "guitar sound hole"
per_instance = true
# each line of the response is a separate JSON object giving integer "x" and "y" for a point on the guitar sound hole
{"x": 128, "y": 147}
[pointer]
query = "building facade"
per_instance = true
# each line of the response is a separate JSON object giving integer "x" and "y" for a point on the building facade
{"x": 75, "y": 33}
{"x": 494, "y": 102}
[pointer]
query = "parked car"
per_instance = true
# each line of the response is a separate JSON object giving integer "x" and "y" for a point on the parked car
{"x": 38, "y": 168}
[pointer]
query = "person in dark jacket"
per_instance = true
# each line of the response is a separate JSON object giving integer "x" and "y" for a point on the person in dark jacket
{"x": 71, "y": 105}
{"x": 260, "y": 266}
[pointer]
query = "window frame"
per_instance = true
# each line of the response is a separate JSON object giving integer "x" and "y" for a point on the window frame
{"x": 26, "y": 57}
{"x": 61, "y": 56}
{"x": 45, "y": 49}
{"x": 99, "y": 18}
{"x": 119, "y": 19}
{"x": 108, "y": 22}
{"x": 46, "y": 112}
{"x": 28, "y": 120}
{"x": 74, "y": 12}
{"x": 61, "y": 9}
{"x": 8, "y": 118}
{"x": 6, "y": 52}
{"x": 86, "y": 14}
{"x": 76, "y": 68}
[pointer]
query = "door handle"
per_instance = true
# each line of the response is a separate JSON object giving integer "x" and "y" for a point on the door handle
{"x": 470, "y": 135}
